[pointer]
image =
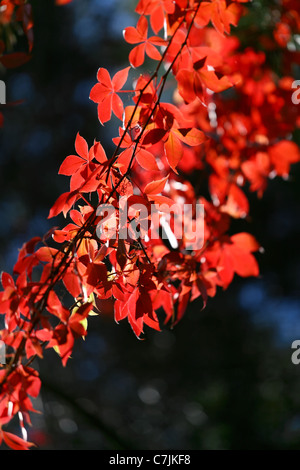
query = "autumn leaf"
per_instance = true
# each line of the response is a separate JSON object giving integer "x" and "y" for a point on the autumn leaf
{"x": 63, "y": 203}
{"x": 146, "y": 45}
{"x": 74, "y": 163}
{"x": 157, "y": 9}
{"x": 104, "y": 93}
{"x": 156, "y": 186}
{"x": 282, "y": 155}
{"x": 15, "y": 442}
{"x": 221, "y": 15}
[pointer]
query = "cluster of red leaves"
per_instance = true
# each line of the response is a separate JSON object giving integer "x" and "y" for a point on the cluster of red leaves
{"x": 288, "y": 24}
{"x": 236, "y": 141}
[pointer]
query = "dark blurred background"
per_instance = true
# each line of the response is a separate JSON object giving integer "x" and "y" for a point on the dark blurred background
{"x": 223, "y": 378}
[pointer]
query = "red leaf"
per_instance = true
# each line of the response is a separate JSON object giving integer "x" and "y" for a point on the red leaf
{"x": 7, "y": 280}
{"x": 152, "y": 52}
{"x": 134, "y": 35}
{"x": 105, "y": 93}
{"x": 70, "y": 165}
{"x": 243, "y": 264}
{"x": 246, "y": 242}
{"x": 120, "y": 78}
{"x": 174, "y": 151}
{"x": 99, "y": 153}
{"x": 211, "y": 81}
{"x": 237, "y": 257}
{"x": 157, "y": 9}
{"x": 46, "y": 254}
{"x": 146, "y": 160}
{"x": 137, "y": 55}
{"x": 154, "y": 136}
{"x": 81, "y": 147}
{"x": 72, "y": 284}
{"x": 15, "y": 442}
{"x": 282, "y": 155}
{"x": 219, "y": 14}
{"x": 63, "y": 203}
{"x": 186, "y": 85}
{"x": 120, "y": 310}
{"x": 139, "y": 35}
{"x": 156, "y": 187}
{"x": 124, "y": 160}
{"x": 97, "y": 273}
{"x": 192, "y": 137}
{"x": 74, "y": 163}
{"x": 237, "y": 204}
{"x": 257, "y": 171}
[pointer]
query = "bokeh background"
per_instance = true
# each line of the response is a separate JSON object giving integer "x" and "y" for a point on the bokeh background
{"x": 223, "y": 378}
